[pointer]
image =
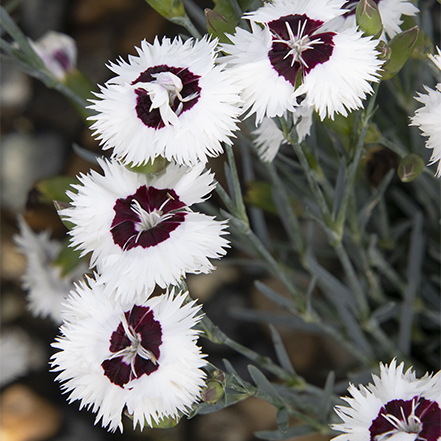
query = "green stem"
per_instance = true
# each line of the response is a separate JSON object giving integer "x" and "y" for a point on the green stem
{"x": 353, "y": 279}
{"x": 237, "y": 191}
{"x": 310, "y": 174}
{"x": 287, "y": 214}
{"x": 352, "y": 169}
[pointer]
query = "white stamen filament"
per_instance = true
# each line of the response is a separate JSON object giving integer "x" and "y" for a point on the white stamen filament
{"x": 297, "y": 43}
{"x": 149, "y": 220}
{"x": 129, "y": 353}
{"x": 412, "y": 424}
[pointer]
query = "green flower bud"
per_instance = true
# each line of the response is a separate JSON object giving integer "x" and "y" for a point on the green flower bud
{"x": 368, "y": 18}
{"x": 410, "y": 167}
{"x": 402, "y": 46}
{"x": 218, "y": 375}
{"x": 218, "y": 26}
{"x": 213, "y": 392}
{"x": 168, "y": 8}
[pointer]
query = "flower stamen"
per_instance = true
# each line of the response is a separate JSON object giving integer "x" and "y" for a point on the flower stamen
{"x": 297, "y": 43}
{"x": 163, "y": 92}
{"x": 130, "y": 352}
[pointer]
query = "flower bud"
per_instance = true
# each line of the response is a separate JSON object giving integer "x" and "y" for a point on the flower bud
{"x": 368, "y": 18}
{"x": 410, "y": 167}
{"x": 218, "y": 375}
{"x": 213, "y": 392}
{"x": 402, "y": 46}
{"x": 218, "y": 26}
{"x": 58, "y": 52}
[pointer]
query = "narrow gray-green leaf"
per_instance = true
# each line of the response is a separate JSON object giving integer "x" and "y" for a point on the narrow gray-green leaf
{"x": 283, "y": 419}
{"x": 366, "y": 212}
{"x": 415, "y": 260}
{"x": 262, "y": 383}
{"x": 340, "y": 293}
{"x": 274, "y": 296}
{"x": 281, "y": 353}
{"x": 327, "y": 398}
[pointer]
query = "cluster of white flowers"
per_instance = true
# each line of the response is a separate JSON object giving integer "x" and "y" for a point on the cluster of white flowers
{"x": 122, "y": 346}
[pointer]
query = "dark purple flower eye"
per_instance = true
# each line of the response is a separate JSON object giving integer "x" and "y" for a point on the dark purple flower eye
{"x": 418, "y": 416}
{"x": 135, "y": 347}
{"x": 297, "y": 45}
{"x": 146, "y": 218}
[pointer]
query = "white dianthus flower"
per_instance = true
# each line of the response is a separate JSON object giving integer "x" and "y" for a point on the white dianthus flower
{"x": 172, "y": 100}
{"x": 141, "y": 357}
{"x": 140, "y": 228}
{"x": 291, "y": 51}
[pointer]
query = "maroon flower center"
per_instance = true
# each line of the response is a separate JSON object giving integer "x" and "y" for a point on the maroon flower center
{"x": 418, "y": 416}
{"x": 351, "y": 6}
{"x": 296, "y": 45}
{"x": 183, "y": 93}
{"x": 146, "y": 218}
{"x": 134, "y": 346}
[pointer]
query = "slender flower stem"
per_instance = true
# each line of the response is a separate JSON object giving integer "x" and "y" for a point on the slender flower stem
{"x": 287, "y": 213}
{"x": 351, "y": 171}
{"x": 353, "y": 279}
{"x": 310, "y": 174}
{"x": 237, "y": 191}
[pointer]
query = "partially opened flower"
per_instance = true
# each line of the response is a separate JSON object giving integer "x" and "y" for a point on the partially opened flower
{"x": 398, "y": 406}
{"x": 291, "y": 52}
{"x": 140, "y": 228}
{"x": 58, "y": 52}
{"x": 171, "y": 101}
{"x": 141, "y": 357}
{"x": 428, "y": 117}
{"x": 44, "y": 281}
{"x": 391, "y": 12}
{"x": 269, "y": 137}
